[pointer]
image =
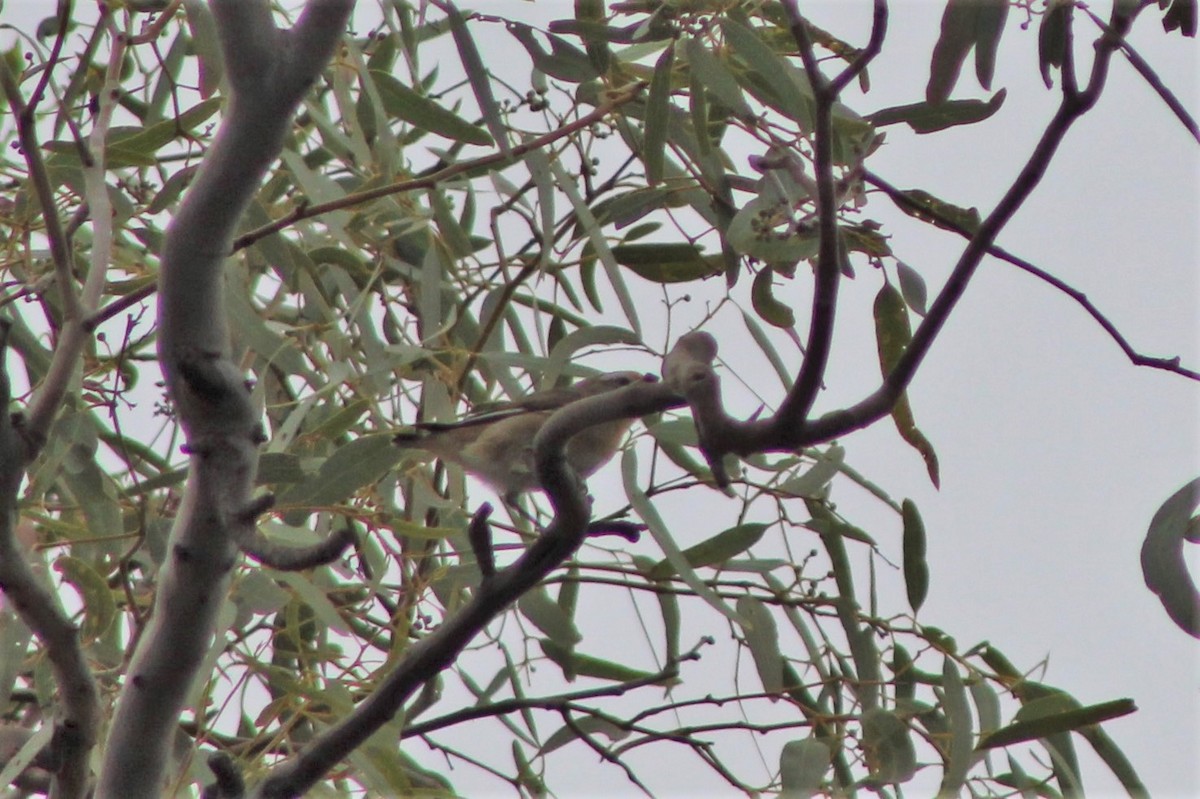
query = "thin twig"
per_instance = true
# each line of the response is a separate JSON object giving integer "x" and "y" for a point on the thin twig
{"x": 1151, "y": 77}
{"x": 615, "y": 100}
{"x": 1167, "y": 364}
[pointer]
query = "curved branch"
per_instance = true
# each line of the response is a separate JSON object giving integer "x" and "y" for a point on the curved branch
{"x": 1071, "y": 108}
{"x": 799, "y": 401}
{"x": 77, "y": 721}
{"x": 431, "y": 655}
{"x": 269, "y": 70}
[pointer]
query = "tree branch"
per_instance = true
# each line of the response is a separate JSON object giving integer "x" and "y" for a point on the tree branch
{"x": 77, "y": 718}
{"x": 269, "y": 71}
{"x": 614, "y": 100}
{"x": 689, "y": 365}
{"x": 1138, "y": 359}
{"x": 799, "y": 401}
{"x": 431, "y": 655}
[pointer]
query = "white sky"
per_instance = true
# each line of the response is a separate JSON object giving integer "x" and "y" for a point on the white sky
{"x": 1055, "y": 451}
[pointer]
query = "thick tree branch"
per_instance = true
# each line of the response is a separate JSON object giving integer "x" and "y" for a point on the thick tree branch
{"x": 431, "y": 655}
{"x": 269, "y": 71}
{"x": 77, "y": 718}
{"x": 799, "y": 401}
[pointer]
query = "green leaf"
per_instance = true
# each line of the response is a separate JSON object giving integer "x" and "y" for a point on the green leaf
{"x": 771, "y": 310}
{"x": 351, "y": 467}
{"x": 1046, "y": 716}
{"x": 662, "y": 536}
{"x": 912, "y": 287}
{"x": 931, "y": 117}
{"x": 588, "y": 725}
{"x": 100, "y": 607}
{"x": 716, "y": 79}
{"x": 887, "y": 747}
{"x": 477, "y": 76}
{"x": 424, "y": 114}
{"x": 966, "y": 24}
{"x": 537, "y": 606}
{"x": 792, "y": 96}
{"x": 1181, "y": 16}
{"x": 667, "y": 262}
{"x": 940, "y": 213}
{"x": 714, "y": 551}
{"x": 1052, "y": 38}
{"x": 137, "y": 146}
{"x": 763, "y": 639}
{"x": 916, "y": 569}
{"x": 892, "y": 334}
{"x": 958, "y": 714}
{"x": 1164, "y": 565}
{"x": 575, "y": 664}
{"x": 802, "y": 767}
{"x": 658, "y": 107}
{"x": 565, "y": 61}
{"x": 814, "y": 482}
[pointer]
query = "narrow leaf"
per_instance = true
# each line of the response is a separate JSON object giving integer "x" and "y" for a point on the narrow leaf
{"x": 422, "y": 113}
{"x": 1042, "y": 726}
{"x": 916, "y": 569}
{"x": 477, "y": 76}
{"x": 658, "y": 105}
{"x": 716, "y": 550}
{"x": 763, "y": 639}
{"x": 1164, "y": 565}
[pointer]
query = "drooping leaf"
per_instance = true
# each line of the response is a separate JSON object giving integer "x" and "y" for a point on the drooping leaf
{"x": 477, "y": 76}
{"x": 762, "y": 637}
{"x": 765, "y": 304}
{"x": 788, "y": 95}
{"x": 1052, "y": 38}
{"x": 802, "y": 767}
{"x": 100, "y": 606}
{"x": 966, "y": 24}
{"x": 962, "y": 733}
{"x": 892, "y": 334}
{"x": 929, "y": 117}
{"x": 1040, "y": 722}
{"x": 1164, "y": 565}
{"x": 716, "y": 78}
{"x": 887, "y": 747}
{"x": 916, "y": 568}
{"x": 537, "y": 606}
{"x": 658, "y": 105}
{"x": 912, "y": 287}
{"x": 424, "y": 114}
{"x": 716, "y": 550}
{"x": 1181, "y": 16}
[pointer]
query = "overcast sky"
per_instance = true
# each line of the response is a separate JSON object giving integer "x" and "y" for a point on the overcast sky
{"x": 1055, "y": 451}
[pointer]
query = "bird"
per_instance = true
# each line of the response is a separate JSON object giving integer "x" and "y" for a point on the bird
{"x": 496, "y": 444}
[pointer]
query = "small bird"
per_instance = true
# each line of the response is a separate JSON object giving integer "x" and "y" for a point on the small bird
{"x": 496, "y": 445}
